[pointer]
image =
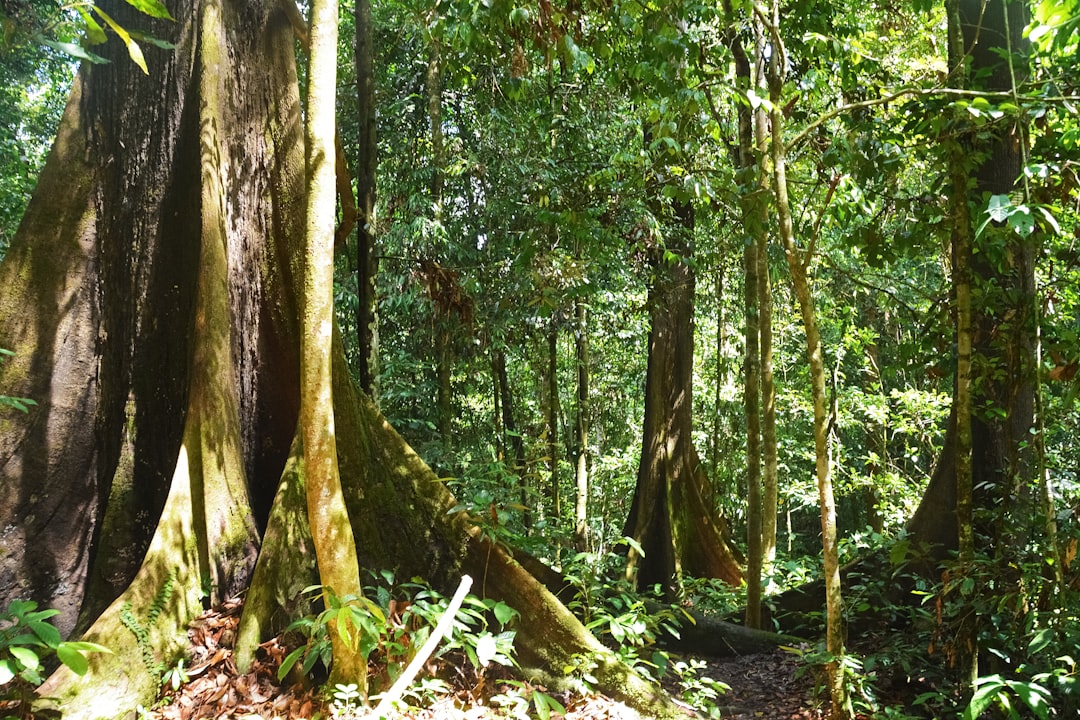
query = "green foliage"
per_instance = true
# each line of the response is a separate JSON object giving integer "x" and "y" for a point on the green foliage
{"x": 141, "y": 624}
{"x": 389, "y": 625}
{"x": 74, "y": 29}
{"x": 523, "y": 701}
{"x": 27, "y": 642}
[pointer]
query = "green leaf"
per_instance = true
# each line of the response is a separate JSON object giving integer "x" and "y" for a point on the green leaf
{"x": 48, "y": 633}
{"x": 86, "y": 646}
{"x": 289, "y": 661}
{"x": 153, "y": 8}
{"x": 486, "y": 649}
{"x": 1000, "y": 208}
{"x": 134, "y": 51}
{"x": 74, "y": 50}
{"x": 1022, "y": 221}
{"x": 27, "y": 657}
{"x": 95, "y": 35}
{"x": 72, "y": 658}
{"x": 6, "y": 672}
{"x": 151, "y": 40}
{"x": 988, "y": 691}
{"x": 503, "y": 612}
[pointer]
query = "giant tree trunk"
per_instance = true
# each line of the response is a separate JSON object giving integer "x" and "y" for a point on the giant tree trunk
{"x": 155, "y": 322}
{"x": 151, "y": 294}
{"x": 669, "y": 517}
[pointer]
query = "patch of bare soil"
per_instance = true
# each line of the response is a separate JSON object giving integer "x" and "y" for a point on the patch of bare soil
{"x": 766, "y": 686}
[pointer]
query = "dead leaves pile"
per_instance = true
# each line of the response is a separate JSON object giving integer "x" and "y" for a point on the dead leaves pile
{"x": 216, "y": 689}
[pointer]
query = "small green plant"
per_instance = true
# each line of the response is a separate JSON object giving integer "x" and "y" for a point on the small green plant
{"x": 346, "y": 700}
{"x": 359, "y": 621}
{"x": 392, "y": 621}
{"x": 27, "y": 640}
{"x": 518, "y": 698}
{"x": 21, "y": 404}
{"x": 700, "y": 691}
{"x": 1009, "y": 696}
{"x": 140, "y": 625}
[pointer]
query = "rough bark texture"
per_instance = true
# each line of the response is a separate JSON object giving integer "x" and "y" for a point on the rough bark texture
{"x": 185, "y": 320}
{"x": 1003, "y": 307}
{"x": 366, "y": 270}
{"x": 100, "y": 307}
{"x": 669, "y": 517}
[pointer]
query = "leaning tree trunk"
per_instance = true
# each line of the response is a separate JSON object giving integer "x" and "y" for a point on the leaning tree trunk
{"x": 669, "y": 517}
{"x": 151, "y": 294}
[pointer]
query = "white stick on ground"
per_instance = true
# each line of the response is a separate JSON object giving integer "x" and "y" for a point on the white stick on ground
{"x": 442, "y": 628}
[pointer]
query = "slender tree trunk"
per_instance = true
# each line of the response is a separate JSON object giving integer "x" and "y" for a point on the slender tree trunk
{"x": 553, "y": 449}
{"x": 366, "y": 267}
{"x": 754, "y": 188}
{"x": 517, "y": 443}
{"x": 721, "y": 376}
{"x": 335, "y": 549}
{"x": 770, "y": 490}
{"x": 798, "y": 262}
{"x": 581, "y": 477}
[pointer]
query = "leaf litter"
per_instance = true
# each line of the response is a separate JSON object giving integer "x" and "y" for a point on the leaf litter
{"x": 762, "y": 687}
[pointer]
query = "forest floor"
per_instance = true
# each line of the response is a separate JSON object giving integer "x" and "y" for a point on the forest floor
{"x": 763, "y": 687}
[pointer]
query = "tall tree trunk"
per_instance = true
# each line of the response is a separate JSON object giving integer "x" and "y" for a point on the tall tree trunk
{"x": 581, "y": 475}
{"x": 754, "y": 181}
{"x": 335, "y": 548}
{"x": 669, "y": 517}
{"x": 770, "y": 489}
{"x": 798, "y": 262}
{"x": 443, "y": 349}
{"x": 517, "y": 443}
{"x": 553, "y": 412}
{"x": 1003, "y": 302}
{"x": 367, "y": 163}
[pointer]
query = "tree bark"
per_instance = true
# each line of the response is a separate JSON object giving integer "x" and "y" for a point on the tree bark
{"x": 1003, "y": 302}
{"x": 553, "y": 449}
{"x": 798, "y": 261}
{"x": 669, "y": 517}
{"x": 366, "y": 267}
{"x": 752, "y": 202}
{"x": 581, "y": 474}
{"x": 517, "y": 443}
{"x": 332, "y": 537}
